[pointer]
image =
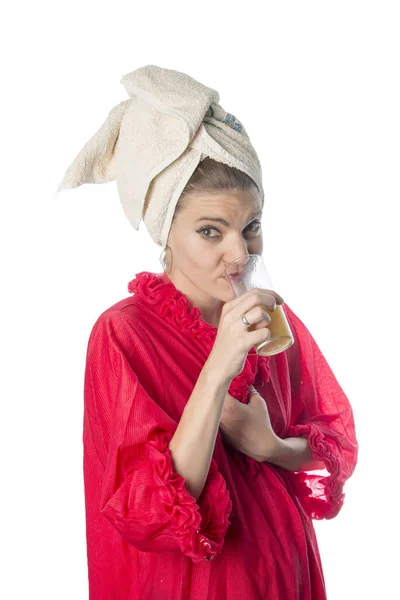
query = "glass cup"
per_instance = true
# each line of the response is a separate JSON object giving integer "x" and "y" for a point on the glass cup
{"x": 248, "y": 272}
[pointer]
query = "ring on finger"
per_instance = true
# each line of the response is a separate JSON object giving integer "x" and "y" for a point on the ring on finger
{"x": 244, "y": 319}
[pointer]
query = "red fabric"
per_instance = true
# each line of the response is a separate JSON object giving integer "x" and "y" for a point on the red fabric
{"x": 250, "y": 534}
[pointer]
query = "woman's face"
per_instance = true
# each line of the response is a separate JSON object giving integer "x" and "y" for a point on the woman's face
{"x": 202, "y": 247}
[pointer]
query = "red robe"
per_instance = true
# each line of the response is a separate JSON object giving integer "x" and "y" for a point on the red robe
{"x": 250, "y": 534}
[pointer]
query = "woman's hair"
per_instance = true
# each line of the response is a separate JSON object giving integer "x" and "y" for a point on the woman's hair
{"x": 213, "y": 176}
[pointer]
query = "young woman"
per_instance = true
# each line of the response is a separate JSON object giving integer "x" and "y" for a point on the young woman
{"x": 194, "y": 489}
{"x": 198, "y": 453}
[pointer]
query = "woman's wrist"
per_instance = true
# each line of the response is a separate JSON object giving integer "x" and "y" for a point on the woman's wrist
{"x": 293, "y": 454}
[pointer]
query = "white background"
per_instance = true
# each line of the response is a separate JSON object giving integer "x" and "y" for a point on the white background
{"x": 316, "y": 85}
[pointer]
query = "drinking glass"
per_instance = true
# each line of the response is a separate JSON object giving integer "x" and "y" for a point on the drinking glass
{"x": 248, "y": 272}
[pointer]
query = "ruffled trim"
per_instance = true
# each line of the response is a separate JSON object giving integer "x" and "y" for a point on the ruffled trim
{"x": 158, "y": 290}
{"x": 321, "y": 496}
{"x": 199, "y": 528}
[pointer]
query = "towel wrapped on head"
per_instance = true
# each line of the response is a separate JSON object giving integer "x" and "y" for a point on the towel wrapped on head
{"x": 152, "y": 142}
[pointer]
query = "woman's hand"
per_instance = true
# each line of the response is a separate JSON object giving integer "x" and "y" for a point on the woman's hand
{"x": 247, "y": 427}
{"x": 234, "y": 339}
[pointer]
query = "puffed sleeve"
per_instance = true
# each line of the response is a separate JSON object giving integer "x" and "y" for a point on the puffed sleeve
{"x": 321, "y": 412}
{"x": 142, "y": 496}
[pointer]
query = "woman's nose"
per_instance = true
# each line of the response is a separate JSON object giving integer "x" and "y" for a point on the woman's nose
{"x": 238, "y": 251}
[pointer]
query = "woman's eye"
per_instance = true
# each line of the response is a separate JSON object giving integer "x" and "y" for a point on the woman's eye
{"x": 250, "y": 228}
{"x": 202, "y": 231}
{"x": 257, "y": 224}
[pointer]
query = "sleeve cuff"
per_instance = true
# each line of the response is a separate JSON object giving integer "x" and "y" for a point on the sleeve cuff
{"x": 199, "y": 527}
{"x": 321, "y": 496}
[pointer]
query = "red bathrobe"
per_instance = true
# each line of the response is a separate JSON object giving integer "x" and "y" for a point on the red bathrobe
{"x": 249, "y": 536}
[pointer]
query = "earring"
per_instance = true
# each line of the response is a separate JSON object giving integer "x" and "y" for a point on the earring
{"x": 163, "y": 262}
{"x": 162, "y": 259}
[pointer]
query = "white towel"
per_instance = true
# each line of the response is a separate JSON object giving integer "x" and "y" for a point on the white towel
{"x": 152, "y": 142}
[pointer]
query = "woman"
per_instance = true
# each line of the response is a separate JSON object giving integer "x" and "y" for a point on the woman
{"x": 197, "y": 451}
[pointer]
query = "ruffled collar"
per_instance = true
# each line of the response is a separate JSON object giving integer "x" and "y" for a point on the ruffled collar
{"x": 158, "y": 290}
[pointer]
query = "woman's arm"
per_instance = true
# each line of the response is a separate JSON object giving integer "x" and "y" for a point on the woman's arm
{"x": 294, "y": 454}
{"x": 247, "y": 427}
{"x": 127, "y": 435}
{"x": 193, "y": 442}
